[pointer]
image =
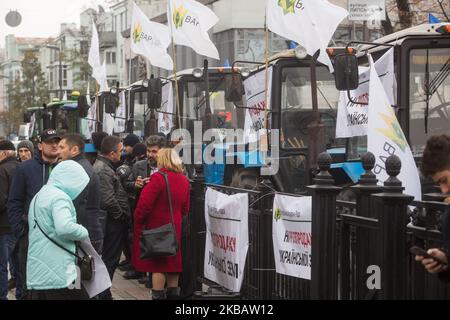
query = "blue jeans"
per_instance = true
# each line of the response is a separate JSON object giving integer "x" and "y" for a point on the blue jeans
{"x": 8, "y": 255}
{"x": 4, "y": 258}
{"x": 14, "y": 267}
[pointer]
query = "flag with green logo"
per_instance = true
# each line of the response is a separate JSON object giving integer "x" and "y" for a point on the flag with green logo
{"x": 310, "y": 23}
{"x": 190, "y": 21}
{"x": 150, "y": 39}
{"x": 385, "y": 138}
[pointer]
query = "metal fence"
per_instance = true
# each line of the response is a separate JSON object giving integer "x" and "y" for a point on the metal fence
{"x": 350, "y": 240}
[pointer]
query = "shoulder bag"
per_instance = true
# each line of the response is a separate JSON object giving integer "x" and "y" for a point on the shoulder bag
{"x": 161, "y": 241}
{"x": 85, "y": 263}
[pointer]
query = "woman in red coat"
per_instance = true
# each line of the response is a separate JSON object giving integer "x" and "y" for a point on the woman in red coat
{"x": 153, "y": 211}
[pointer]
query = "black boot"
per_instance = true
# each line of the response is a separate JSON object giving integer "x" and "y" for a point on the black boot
{"x": 159, "y": 294}
{"x": 173, "y": 293}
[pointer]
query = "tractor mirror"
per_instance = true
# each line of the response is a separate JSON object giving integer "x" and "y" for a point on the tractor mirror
{"x": 83, "y": 106}
{"x": 26, "y": 117}
{"x": 346, "y": 72}
{"x": 154, "y": 93}
{"x": 111, "y": 103}
{"x": 234, "y": 88}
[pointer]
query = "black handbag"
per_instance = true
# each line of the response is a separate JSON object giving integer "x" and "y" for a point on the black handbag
{"x": 85, "y": 263}
{"x": 161, "y": 241}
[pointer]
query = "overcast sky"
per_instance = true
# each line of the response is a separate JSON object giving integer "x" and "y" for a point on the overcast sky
{"x": 42, "y": 18}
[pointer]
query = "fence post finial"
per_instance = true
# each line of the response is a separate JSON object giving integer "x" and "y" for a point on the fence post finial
{"x": 324, "y": 163}
{"x": 368, "y": 178}
{"x": 393, "y": 167}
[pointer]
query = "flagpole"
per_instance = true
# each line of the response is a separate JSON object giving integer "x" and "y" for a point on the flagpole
{"x": 174, "y": 58}
{"x": 264, "y": 143}
{"x": 266, "y": 84}
{"x": 97, "y": 106}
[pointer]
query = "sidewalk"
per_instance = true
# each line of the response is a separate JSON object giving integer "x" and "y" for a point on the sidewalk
{"x": 122, "y": 289}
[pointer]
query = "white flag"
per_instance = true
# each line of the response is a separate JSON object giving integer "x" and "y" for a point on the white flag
{"x": 94, "y": 55}
{"x": 310, "y": 23}
{"x": 189, "y": 22}
{"x": 352, "y": 118}
{"x": 150, "y": 39}
{"x": 65, "y": 96}
{"x": 98, "y": 69}
{"x": 103, "y": 82}
{"x": 92, "y": 114}
{"x": 386, "y": 138}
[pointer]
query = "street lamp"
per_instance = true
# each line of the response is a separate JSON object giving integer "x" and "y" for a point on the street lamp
{"x": 60, "y": 68}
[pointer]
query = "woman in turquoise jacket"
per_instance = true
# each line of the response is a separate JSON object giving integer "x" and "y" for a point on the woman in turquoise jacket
{"x": 50, "y": 269}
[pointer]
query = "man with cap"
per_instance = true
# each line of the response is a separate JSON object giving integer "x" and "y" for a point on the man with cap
{"x": 128, "y": 144}
{"x": 29, "y": 178}
{"x": 25, "y": 150}
{"x": 8, "y": 165}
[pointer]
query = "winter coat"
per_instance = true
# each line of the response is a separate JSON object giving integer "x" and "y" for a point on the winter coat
{"x": 141, "y": 168}
{"x": 87, "y": 204}
{"x": 49, "y": 266}
{"x": 113, "y": 198}
{"x": 153, "y": 211}
{"x": 7, "y": 169}
{"x": 29, "y": 178}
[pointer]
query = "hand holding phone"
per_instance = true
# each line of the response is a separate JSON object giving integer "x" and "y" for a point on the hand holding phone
{"x": 418, "y": 251}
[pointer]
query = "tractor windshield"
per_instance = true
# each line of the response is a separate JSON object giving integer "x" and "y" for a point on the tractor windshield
{"x": 140, "y": 116}
{"x": 225, "y": 115}
{"x": 297, "y": 109}
{"x": 429, "y": 95}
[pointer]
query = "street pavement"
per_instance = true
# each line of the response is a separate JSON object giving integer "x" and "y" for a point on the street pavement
{"x": 122, "y": 289}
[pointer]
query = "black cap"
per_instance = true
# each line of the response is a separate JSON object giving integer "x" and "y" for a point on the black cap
{"x": 49, "y": 134}
{"x": 7, "y": 145}
{"x": 131, "y": 140}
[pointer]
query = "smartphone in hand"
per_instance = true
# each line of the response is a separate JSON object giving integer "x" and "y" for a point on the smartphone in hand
{"x": 418, "y": 251}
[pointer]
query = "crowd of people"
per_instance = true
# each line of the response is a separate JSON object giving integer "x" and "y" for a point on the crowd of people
{"x": 52, "y": 196}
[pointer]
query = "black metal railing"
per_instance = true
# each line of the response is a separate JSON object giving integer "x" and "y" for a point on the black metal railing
{"x": 351, "y": 240}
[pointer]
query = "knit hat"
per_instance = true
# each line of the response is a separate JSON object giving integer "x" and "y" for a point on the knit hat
{"x": 131, "y": 140}
{"x": 6, "y": 145}
{"x": 139, "y": 150}
{"x": 26, "y": 144}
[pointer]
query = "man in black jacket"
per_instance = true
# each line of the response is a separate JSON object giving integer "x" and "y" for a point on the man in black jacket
{"x": 142, "y": 170}
{"x": 114, "y": 201}
{"x": 436, "y": 164}
{"x": 28, "y": 179}
{"x": 87, "y": 204}
{"x": 8, "y": 165}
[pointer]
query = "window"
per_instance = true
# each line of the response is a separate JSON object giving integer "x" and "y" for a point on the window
{"x": 84, "y": 47}
{"x": 296, "y": 105}
{"x": 64, "y": 76}
{"x": 436, "y": 63}
{"x": 110, "y": 57}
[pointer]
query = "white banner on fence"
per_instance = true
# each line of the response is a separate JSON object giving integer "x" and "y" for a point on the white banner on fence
{"x": 254, "y": 94}
{"x": 291, "y": 234}
{"x": 226, "y": 238}
{"x": 352, "y": 118}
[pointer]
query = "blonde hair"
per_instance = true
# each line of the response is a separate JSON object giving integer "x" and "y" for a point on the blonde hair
{"x": 169, "y": 159}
